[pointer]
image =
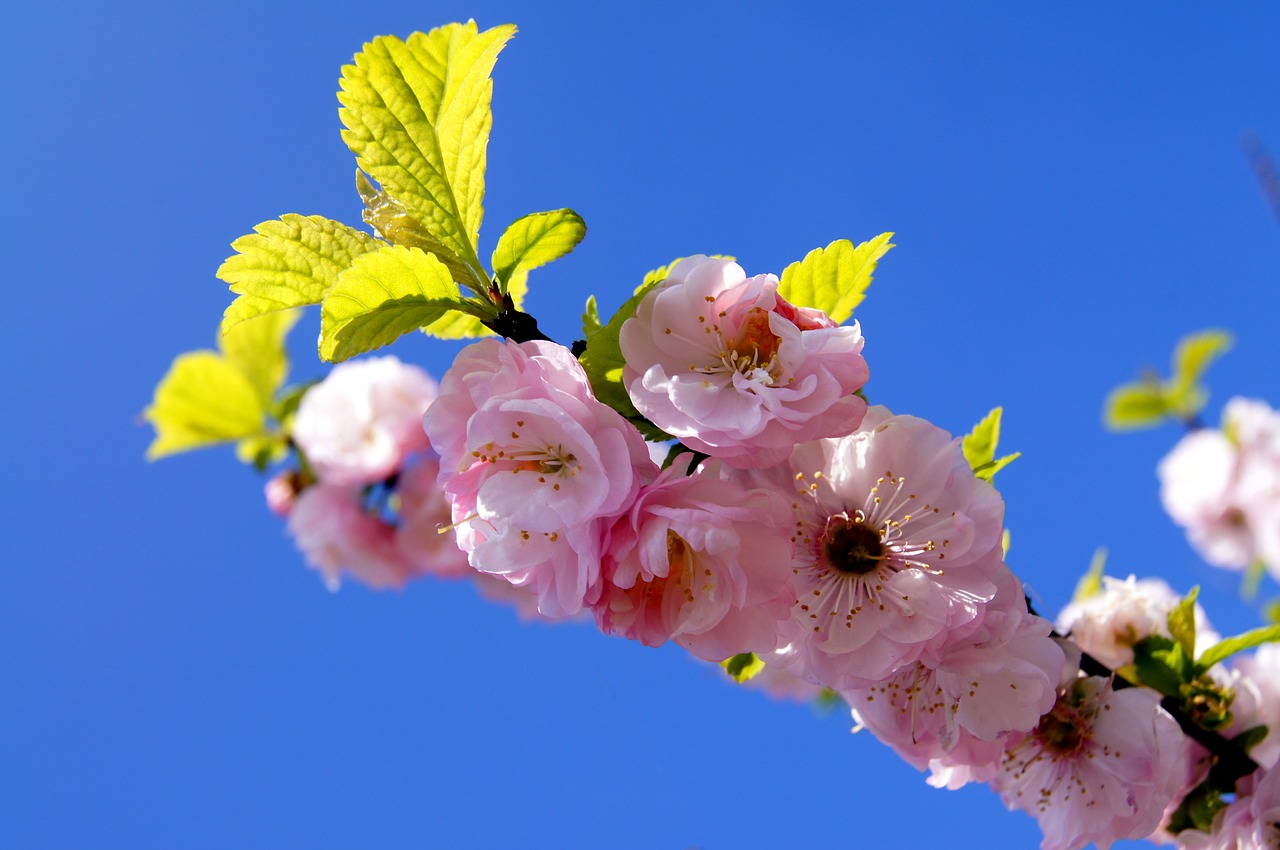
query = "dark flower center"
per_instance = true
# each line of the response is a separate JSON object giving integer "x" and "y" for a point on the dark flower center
{"x": 852, "y": 547}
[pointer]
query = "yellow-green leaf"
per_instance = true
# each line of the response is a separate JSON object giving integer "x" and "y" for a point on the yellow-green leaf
{"x": 1137, "y": 405}
{"x": 742, "y": 667}
{"x": 203, "y": 399}
{"x": 393, "y": 223}
{"x": 979, "y": 445}
{"x": 1224, "y": 649}
{"x": 418, "y": 116}
{"x": 1186, "y": 395}
{"x": 1090, "y": 583}
{"x": 1182, "y": 622}
{"x": 289, "y": 262}
{"x": 256, "y": 348}
{"x": 834, "y": 279}
{"x": 535, "y": 240}
{"x": 384, "y": 295}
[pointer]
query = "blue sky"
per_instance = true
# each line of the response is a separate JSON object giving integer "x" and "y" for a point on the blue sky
{"x": 1069, "y": 196}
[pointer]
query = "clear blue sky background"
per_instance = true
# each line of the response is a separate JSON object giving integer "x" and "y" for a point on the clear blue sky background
{"x": 1070, "y": 197}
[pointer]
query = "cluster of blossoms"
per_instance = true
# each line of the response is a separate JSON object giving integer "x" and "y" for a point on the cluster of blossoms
{"x": 852, "y": 551}
{"x": 1223, "y": 487}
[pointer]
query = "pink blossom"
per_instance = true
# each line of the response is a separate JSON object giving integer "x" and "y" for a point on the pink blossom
{"x": 534, "y": 466}
{"x": 1000, "y": 679}
{"x": 1101, "y": 766}
{"x": 358, "y": 424}
{"x": 699, "y": 561}
{"x": 424, "y": 511}
{"x": 1256, "y": 683}
{"x": 281, "y": 491}
{"x": 898, "y": 549}
{"x": 1197, "y": 487}
{"x": 722, "y": 362}
{"x": 336, "y": 535}
{"x": 1108, "y": 624}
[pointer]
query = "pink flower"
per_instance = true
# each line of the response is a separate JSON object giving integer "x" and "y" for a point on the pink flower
{"x": 1256, "y": 683}
{"x": 722, "y": 362}
{"x": 281, "y": 491}
{"x": 1000, "y": 679}
{"x": 358, "y": 424}
{"x": 336, "y": 535}
{"x": 424, "y": 510}
{"x": 699, "y": 561}
{"x": 534, "y": 466}
{"x": 1197, "y": 487}
{"x": 1109, "y": 623}
{"x": 898, "y": 549}
{"x": 1101, "y": 766}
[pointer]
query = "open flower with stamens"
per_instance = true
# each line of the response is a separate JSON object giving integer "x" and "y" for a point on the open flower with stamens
{"x": 1101, "y": 766}
{"x": 724, "y": 363}
{"x": 534, "y": 467}
{"x": 699, "y": 561}
{"x": 897, "y": 544}
{"x": 1000, "y": 679}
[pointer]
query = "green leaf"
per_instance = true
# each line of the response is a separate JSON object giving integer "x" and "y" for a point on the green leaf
{"x": 535, "y": 240}
{"x": 1252, "y": 579}
{"x": 1090, "y": 583}
{"x": 1224, "y": 649}
{"x": 979, "y": 445}
{"x": 742, "y": 667}
{"x": 418, "y": 116}
{"x": 290, "y": 262}
{"x": 256, "y": 348}
{"x": 393, "y": 223}
{"x": 383, "y": 296}
{"x": 988, "y": 471}
{"x": 1271, "y": 612}
{"x": 1182, "y": 622}
{"x": 591, "y": 324}
{"x": 203, "y": 400}
{"x": 1191, "y": 359}
{"x": 833, "y": 279}
{"x": 1159, "y": 664}
{"x": 1137, "y": 405}
{"x": 602, "y": 360}
{"x": 1250, "y": 738}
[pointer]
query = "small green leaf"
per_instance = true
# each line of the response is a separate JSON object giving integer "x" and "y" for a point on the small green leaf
{"x": 1090, "y": 583}
{"x": 393, "y": 223}
{"x": 1137, "y": 405}
{"x": 1224, "y": 649}
{"x": 1271, "y": 613}
{"x": 979, "y": 445}
{"x": 742, "y": 667}
{"x": 288, "y": 263}
{"x": 988, "y": 471}
{"x": 256, "y": 348}
{"x": 1252, "y": 580}
{"x": 384, "y": 295}
{"x": 1191, "y": 359}
{"x": 535, "y": 240}
{"x": 1006, "y": 541}
{"x": 1250, "y": 738}
{"x": 418, "y": 116}
{"x": 603, "y": 360}
{"x": 203, "y": 400}
{"x": 591, "y": 324}
{"x": 1159, "y": 663}
{"x": 834, "y": 279}
{"x": 1182, "y": 622}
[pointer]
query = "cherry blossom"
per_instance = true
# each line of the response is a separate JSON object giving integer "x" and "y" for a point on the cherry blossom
{"x": 1108, "y": 624}
{"x": 424, "y": 511}
{"x": 898, "y": 548}
{"x": 359, "y": 424}
{"x": 1101, "y": 766}
{"x": 699, "y": 561}
{"x": 506, "y": 409}
{"x": 724, "y": 363}
{"x": 337, "y": 535}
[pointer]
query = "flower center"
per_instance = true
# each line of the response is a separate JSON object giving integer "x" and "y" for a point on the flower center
{"x": 851, "y": 546}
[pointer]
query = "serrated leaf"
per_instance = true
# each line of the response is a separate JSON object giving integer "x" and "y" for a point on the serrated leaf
{"x": 393, "y": 223}
{"x": 203, "y": 400}
{"x": 289, "y": 262}
{"x": 384, "y": 295}
{"x": 256, "y": 348}
{"x": 1182, "y": 622}
{"x": 979, "y": 445}
{"x": 535, "y": 240}
{"x": 418, "y": 116}
{"x": 834, "y": 279}
{"x": 1224, "y": 649}
{"x": 1137, "y": 405}
{"x": 1090, "y": 583}
{"x": 742, "y": 667}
